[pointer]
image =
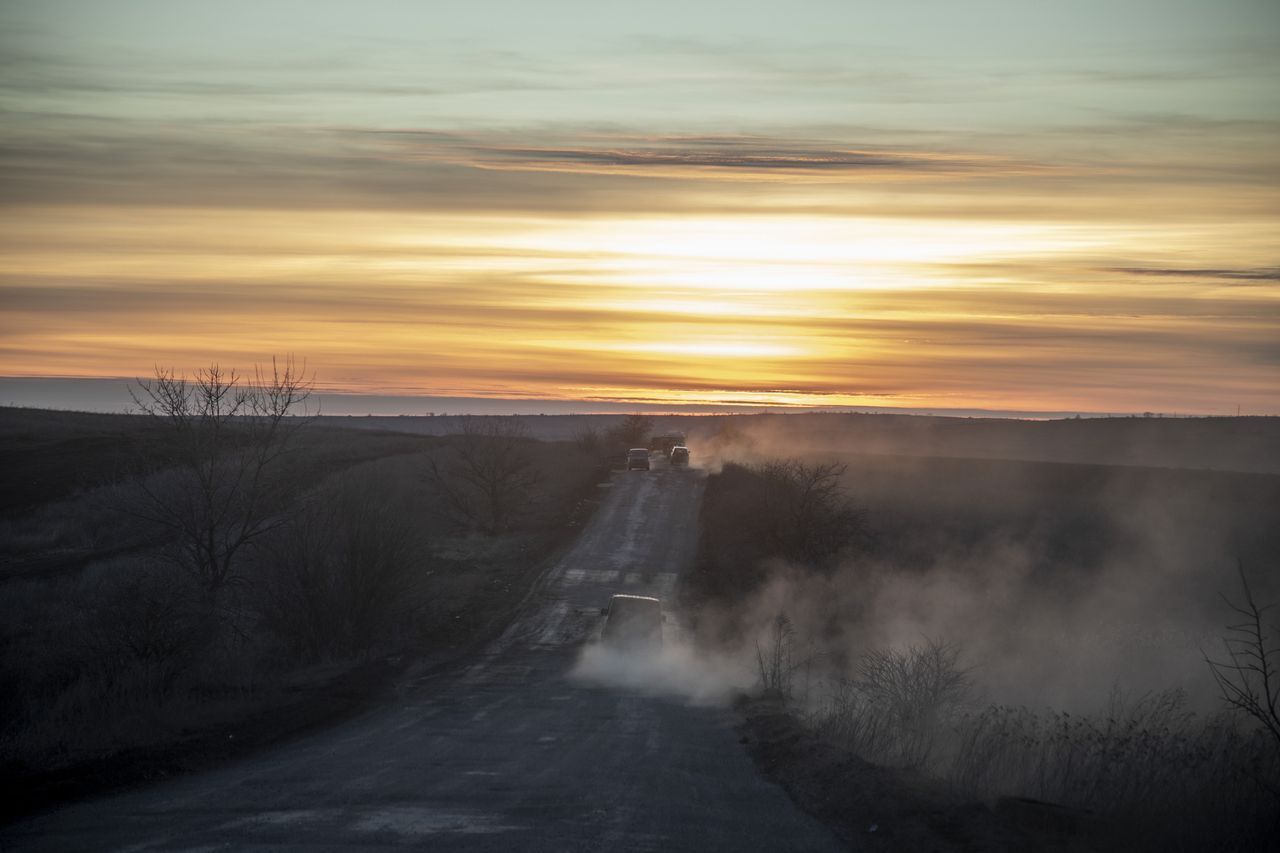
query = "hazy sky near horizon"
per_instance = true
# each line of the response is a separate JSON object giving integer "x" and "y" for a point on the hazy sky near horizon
{"x": 988, "y": 204}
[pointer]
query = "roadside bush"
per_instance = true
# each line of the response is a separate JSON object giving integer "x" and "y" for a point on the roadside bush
{"x": 632, "y": 431}
{"x": 90, "y": 662}
{"x": 489, "y": 474}
{"x": 1181, "y": 780}
{"x": 803, "y": 513}
{"x": 785, "y": 510}
{"x": 774, "y": 657}
{"x": 896, "y": 707}
{"x": 1171, "y": 779}
{"x": 345, "y": 570}
{"x": 145, "y": 618}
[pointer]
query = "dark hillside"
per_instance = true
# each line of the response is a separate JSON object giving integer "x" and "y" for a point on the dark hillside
{"x": 1227, "y": 444}
{"x": 47, "y": 455}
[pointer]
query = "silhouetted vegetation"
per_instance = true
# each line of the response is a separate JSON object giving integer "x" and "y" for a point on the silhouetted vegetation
{"x": 489, "y": 474}
{"x": 218, "y": 487}
{"x": 338, "y": 552}
{"x": 1146, "y": 773}
{"x": 1249, "y": 679}
{"x": 783, "y": 510}
{"x": 774, "y": 662}
{"x": 1000, "y": 543}
{"x": 348, "y": 572}
{"x": 588, "y": 438}
{"x": 633, "y": 431}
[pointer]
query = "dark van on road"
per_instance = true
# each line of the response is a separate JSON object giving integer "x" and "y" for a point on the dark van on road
{"x": 638, "y": 457}
{"x": 633, "y": 622}
{"x": 679, "y": 457}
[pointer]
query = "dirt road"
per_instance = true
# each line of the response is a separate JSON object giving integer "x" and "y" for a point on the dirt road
{"x": 506, "y": 755}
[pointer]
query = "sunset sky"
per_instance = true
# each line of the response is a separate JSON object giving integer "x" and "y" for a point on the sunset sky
{"x": 996, "y": 204}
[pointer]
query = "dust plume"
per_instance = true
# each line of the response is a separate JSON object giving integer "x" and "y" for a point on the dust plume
{"x": 1059, "y": 581}
{"x": 678, "y": 670}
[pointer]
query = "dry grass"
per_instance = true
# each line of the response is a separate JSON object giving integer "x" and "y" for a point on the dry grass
{"x": 1159, "y": 776}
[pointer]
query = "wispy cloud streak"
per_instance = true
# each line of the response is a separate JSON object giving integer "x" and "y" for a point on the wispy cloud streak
{"x": 1237, "y": 276}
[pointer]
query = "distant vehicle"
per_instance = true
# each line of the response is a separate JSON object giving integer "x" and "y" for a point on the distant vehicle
{"x": 633, "y": 622}
{"x": 663, "y": 442}
{"x": 680, "y": 457}
{"x": 638, "y": 457}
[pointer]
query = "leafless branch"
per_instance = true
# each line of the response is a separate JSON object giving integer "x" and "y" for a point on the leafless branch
{"x": 214, "y": 491}
{"x": 490, "y": 473}
{"x": 1248, "y": 680}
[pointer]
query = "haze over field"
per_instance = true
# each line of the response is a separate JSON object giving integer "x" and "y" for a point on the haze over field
{"x": 988, "y": 205}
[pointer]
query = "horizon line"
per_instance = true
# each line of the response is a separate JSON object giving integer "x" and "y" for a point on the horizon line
{"x": 90, "y": 397}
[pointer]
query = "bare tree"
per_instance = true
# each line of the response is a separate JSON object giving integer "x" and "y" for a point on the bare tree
{"x": 806, "y": 514}
{"x": 587, "y": 439}
{"x": 917, "y": 683}
{"x": 1248, "y": 680}
{"x": 491, "y": 473}
{"x": 215, "y": 493}
{"x": 381, "y": 551}
{"x": 302, "y": 601}
{"x": 346, "y": 567}
{"x": 633, "y": 431}
{"x": 773, "y": 659}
